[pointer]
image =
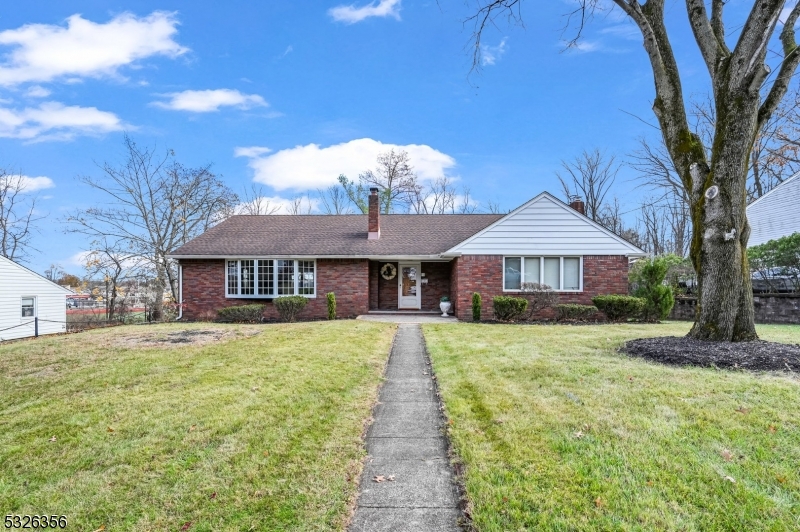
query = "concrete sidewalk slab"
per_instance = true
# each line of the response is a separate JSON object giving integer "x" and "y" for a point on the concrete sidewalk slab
{"x": 406, "y": 443}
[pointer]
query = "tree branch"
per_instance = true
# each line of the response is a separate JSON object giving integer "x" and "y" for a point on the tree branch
{"x": 791, "y": 60}
{"x": 704, "y": 34}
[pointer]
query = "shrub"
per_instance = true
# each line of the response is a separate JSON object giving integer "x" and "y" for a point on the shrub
{"x": 241, "y": 313}
{"x": 476, "y": 307}
{"x": 331, "y": 305}
{"x": 507, "y": 308}
{"x": 289, "y": 307}
{"x": 619, "y": 308}
{"x": 648, "y": 275}
{"x": 572, "y": 311}
{"x": 539, "y": 297}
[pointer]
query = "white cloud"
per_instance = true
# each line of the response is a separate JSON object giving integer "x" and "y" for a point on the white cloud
{"x": 491, "y": 54}
{"x": 379, "y": 8}
{"x": 210, "y": 100}
{"x": 55, "y": 121}
{"x": 310, "y": 167}
{"x": 29, "y": 184}
{"x": 624, "y": 31}
{"x": 37, "y": 91}
{"x": 251, "y": 151}
{"x": 584, "y": 46}
{"x": 44, "y": 52}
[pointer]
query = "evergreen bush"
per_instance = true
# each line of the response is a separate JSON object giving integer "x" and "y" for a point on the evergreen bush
{"x": 648, "y": 276}
{"x": 289, "y": 307}
{"x": 619, "y": 308}
{"x": 241, "y": 314}
{"x": 571, "y": 311}
{"x": 476, "y": 307}
{"x": 507, "y": 308}
{"x": 331, "y": 305}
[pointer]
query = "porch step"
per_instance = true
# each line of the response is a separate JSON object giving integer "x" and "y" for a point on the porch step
{"x": 407, "y": 312}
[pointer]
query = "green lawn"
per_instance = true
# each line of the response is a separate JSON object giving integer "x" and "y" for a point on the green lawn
{"x": 258, "y": 430}
{"x": 559, "y": 432}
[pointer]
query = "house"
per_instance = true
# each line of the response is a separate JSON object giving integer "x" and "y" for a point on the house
{"x": 27, "y": 298}
{"x": 401, "y": 261}
{"x": 775, "y": 214}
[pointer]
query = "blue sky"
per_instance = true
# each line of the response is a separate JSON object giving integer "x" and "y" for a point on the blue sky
{"x": 292, "y": 94}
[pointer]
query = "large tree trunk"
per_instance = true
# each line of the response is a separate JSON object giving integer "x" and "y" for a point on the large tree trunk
{"x": 725, "y": 307}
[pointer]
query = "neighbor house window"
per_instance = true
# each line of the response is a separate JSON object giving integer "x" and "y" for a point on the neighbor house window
{"x": 559, "y": 273}
{"x": 253, "y": 278}
{"x": 28, "y": 307}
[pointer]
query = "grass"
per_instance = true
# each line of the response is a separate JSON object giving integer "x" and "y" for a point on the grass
{"x": 557, "y": 431}
{"x": 250, "y": 432}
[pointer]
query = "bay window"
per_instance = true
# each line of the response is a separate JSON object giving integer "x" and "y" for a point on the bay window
{"x": 564, "y": 274}
{"x": 266, "y": 278}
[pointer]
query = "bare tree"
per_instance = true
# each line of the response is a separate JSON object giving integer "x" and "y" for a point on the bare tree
{"x": 114, "y": 263}
{"x": 18, "y": 217}
{"x": 254, "y": 202}
{"x": 300, "y": 205}
{"x": 394, "y": 178}
{"x": 334, "y": 200}
{"x": 154, "y": 204}
{"x": 589, "y": 176}
{"x": 746, "y": 93}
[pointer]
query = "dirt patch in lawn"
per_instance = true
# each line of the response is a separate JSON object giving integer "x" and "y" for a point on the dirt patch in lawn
{"x": 204, "y": 336}
{"x": 682, "y": 351}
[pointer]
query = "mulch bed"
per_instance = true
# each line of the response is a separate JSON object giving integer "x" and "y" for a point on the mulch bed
{"x": 682, "y": 351}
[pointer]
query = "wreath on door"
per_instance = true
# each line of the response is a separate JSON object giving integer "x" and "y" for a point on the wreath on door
{"x": 388, "y": 271}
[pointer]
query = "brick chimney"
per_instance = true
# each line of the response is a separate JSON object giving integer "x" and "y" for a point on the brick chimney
{"x": 374, "y": 214}
{"x": 577, "y": 204}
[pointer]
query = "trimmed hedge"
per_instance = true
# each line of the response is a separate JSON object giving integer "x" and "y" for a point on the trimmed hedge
{"x": 331, "y": 305}
{"x": 571, "y": 311}
{"x": 289, "y": 307}
{"x": 241, "y": 314}
{"x": 619, "y": 308}
{"x": 507, "y": 308}
{"x": 476, "y": 307}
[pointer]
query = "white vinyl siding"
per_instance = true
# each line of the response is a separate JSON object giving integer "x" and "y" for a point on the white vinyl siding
{"x": 268, "y": 278}
{"x": 17, "y": 286}
{"x": 775, "y": 214}
{"x": 545, "y": 226}
{"x": 563, "y": 274}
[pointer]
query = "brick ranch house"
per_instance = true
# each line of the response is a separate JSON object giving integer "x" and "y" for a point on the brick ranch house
{"x": 401, "y": 261}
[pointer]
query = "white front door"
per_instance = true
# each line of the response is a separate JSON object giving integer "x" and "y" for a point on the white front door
{"x": 409, "y": 286}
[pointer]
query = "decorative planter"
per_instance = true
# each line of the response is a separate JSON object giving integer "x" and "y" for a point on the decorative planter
{"x": 445, "y": 307}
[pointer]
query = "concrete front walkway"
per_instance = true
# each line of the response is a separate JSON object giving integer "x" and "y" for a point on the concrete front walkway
{"x": 407, "y": 484}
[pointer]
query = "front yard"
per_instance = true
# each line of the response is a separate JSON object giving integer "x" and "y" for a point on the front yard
{"x": 559, "y": 432}
{"x": 189, "y": 427}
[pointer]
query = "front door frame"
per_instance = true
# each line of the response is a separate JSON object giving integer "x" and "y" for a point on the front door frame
{"x": 406, "y": 302}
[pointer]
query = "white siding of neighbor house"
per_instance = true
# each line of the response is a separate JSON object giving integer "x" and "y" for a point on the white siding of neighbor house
{"x": 545, "y": 226}
{"x": 17, "y": 282}
{"x": 776, "y": 213}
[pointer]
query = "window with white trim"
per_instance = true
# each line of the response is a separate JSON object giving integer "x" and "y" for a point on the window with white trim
{"x": 28, "y": 307}
{"x": 254, "y": 278}
{"x": 564, "y": 274}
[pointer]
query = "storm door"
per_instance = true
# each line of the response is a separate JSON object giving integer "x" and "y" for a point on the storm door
{"x": 409, "y": 286}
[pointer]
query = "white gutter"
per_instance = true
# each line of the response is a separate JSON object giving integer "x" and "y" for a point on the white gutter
{"x": 180, "y": 292}
{"x": 384, "y": 258}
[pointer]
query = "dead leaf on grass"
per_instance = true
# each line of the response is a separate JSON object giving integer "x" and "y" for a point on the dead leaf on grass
{"x": 186, "y": 526}
{"x": 578, "y": 434}
{"x": 213, "y": 496}
{"x": 192, "y": 428}
{"x": 109, "y": 429}
{"x": 727, "y": 454}
{"x": 599, "y": 502}
{"x": 730, "y": 479}
{"x": 743, "y": 410}
{"x": 102, "y": 527}
{"x": 254, "y": 389}
{"x": 52, "y": 439}
{"x": 771, "y": 429}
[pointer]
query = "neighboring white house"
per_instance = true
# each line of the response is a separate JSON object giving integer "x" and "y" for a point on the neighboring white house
{"x": 776, "y": 213}
{"x": 25, "y": 296}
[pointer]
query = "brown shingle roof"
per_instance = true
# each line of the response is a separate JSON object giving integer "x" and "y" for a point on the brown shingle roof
{"x": 335, "y": 235}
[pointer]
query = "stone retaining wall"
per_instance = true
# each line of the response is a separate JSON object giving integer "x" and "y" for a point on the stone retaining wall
{"x": 770, "y": 308}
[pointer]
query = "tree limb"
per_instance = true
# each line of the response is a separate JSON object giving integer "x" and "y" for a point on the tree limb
{"x": 791, "y": 60}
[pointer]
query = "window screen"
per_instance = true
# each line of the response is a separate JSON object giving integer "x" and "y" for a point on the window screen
{"x": 532, "y": 270}
{"x": 552, "y": 273}
{"x": 572, "y": 273}
{"x": 513, "y": 268}
{"x": 28, "y": 307}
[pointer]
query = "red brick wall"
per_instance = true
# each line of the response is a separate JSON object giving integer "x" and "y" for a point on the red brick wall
{"x": 602, "y": 274}
{"x": 204, "y": 289}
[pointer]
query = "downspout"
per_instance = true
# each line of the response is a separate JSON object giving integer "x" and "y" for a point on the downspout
{"x": 180, "y": 292}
